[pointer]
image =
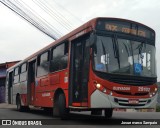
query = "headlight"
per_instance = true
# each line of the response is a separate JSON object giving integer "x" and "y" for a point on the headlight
{"x": 155, "y": 89}
{"x": 98, "y": 85}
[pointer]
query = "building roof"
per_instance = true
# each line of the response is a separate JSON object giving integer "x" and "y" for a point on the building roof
{"x": 8, "y": 64}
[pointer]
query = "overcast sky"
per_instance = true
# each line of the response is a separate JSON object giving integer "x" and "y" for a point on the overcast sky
{"x": 18, "y": 39}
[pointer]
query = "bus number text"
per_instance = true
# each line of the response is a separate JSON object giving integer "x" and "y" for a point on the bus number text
{"x": 143, "y": 89}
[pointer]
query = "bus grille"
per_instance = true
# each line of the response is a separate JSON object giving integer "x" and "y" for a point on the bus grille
{"x": 124, "y": 102}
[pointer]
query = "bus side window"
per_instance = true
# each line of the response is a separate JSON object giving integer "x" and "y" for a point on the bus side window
{"x": 43, "y": 64}
{"x": 59, "y": 57}
{"x": 23, "y": 72}
{"x": 16, "y": 75}
{"x": 23, "y": 68}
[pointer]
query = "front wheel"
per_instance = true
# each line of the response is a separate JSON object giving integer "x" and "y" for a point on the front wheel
{"x": 96, "y": 112}
{"x": 59, "y": 108}
{"x": 108, "y": 112}
{"x": 63, "y": 111}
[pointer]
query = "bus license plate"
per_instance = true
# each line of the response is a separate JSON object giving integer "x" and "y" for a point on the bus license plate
{"x": 133, "y": 101}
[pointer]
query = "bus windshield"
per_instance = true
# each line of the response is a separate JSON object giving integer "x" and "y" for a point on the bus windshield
{"x": 123, "y": 56}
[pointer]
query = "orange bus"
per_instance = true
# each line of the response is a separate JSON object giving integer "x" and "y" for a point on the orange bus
{"x": 104, "y": 64}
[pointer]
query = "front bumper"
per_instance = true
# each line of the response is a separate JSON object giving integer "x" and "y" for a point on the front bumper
{"x": 101, "y": 100}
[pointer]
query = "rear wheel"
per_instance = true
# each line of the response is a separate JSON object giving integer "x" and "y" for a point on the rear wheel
{"x": 19, "y": 105}
{"x": 108, "y": 112}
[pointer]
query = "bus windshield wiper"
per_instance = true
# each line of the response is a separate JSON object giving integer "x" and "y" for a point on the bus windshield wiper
{"x": 127, "y": 49}
{"x": 116, "y": 49}
{"x": 105, "y": 53}
{"x": 140, "y": 47}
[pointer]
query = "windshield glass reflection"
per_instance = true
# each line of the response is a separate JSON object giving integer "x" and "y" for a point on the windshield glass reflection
{"x": 124, "y": 56}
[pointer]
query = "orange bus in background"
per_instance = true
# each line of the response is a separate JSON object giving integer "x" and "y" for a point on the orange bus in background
{"x": 104, "y": 64}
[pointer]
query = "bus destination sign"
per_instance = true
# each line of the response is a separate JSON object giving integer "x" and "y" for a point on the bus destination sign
{"x": 126, "y": 27}
{"x": 128, "y": 30}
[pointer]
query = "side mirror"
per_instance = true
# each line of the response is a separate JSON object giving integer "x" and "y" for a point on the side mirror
{"x": 92, "y": 39}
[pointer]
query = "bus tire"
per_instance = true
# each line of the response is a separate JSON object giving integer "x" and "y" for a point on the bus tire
{"x": 108, "y": 113}
{"x": 21, "y": 108}
{"x": 55, "y": 108}
{"x": 63, "y": 111}
{"x": 18, "y": 103}
{"x": 96, "y": 112}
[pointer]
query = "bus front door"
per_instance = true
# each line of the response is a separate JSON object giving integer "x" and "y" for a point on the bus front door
{"x": 78, "y": 89}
